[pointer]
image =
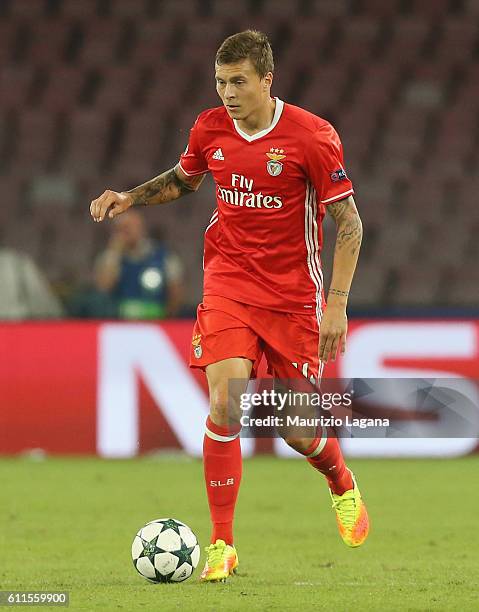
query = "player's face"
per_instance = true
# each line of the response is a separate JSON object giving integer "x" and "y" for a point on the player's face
{"x": 241, "y": 89}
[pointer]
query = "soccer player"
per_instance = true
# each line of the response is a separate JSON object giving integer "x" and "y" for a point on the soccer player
{"x": 278, "y": 169}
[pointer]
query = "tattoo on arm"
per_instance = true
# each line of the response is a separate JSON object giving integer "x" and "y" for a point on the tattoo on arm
{"x": 338, "y": 292}
{"x": 160, "y": 189}
{"x": 348, "y": 222}
{"x": 337, "y": 209}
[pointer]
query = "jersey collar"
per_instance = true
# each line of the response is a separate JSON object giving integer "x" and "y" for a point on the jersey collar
{"x": 276, "y": 117}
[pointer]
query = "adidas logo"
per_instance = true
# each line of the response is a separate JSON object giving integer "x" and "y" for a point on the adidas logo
{"x": 218, "y": 154}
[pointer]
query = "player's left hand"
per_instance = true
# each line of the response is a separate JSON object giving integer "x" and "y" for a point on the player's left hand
{"x": 334, "y": 328}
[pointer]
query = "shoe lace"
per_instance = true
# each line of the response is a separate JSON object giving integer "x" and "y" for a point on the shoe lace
{"x": 214, "y": 553}
{"x": 346, "y": 508}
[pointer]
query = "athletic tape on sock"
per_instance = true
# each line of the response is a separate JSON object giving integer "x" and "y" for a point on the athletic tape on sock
{"x": 218, "y": 438}
{"x": 321, "y": 445}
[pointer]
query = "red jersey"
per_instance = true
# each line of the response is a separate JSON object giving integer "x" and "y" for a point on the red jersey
{"x": 263, "y": 243}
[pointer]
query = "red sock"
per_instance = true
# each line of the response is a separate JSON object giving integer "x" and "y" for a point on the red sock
{"x": 223, "y": 467}
{"x": 325, "y": 455}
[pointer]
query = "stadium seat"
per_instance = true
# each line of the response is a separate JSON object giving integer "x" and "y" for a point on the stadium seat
{"x": 368, "y": 287}
{"x": 324, "y": 89}
{"x": 36, "y": 140}
{"x": 230, "y": 9}
{"x": 431, "y": 8}
{"x": 408, "y": 39}
{"x": 418, "y": 285}
{"x": 86, "y": 9}
{"x": 126, "y": 8}
{"x": 205, "y": 35}
{"x": 328, "y": 9}
{"x": 63, "y": 88}
{"x": 446, "y": 243}
{"x": 308, "y": 37}
{"x": 472, "y": 7}
{"x": 396, "y": 241}
{"x": 118, "y": 89}
{"x": 373, "y": 7}
{"x": 7, "y": 36}
{"x": 374, "y": 88}
{"x": 458, "y": 40}
{"x": 49, "y": 41}
{"x": 15, "y": 83}
{"x": 87, "y": 137}
{"x": 373, "y": 201}
{"x": 12, "y": 202}
{"x": 281, "y": 10}
{"x": 102, "y": 40}
{"x": 33, "y": 9}
{"x": 152, "y": 43}
{"x": 171, "y": 9}
{"x": 462, "y": 286}
{"x": 140, "y": 148}
{"x": 357, "y": 39}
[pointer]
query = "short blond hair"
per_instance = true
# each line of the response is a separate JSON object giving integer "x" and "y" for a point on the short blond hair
{"x": 250, "y": 44}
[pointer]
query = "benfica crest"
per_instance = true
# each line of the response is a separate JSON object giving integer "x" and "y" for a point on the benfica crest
{"x": 274, "y": 165}
{"x": 196, "y": 342}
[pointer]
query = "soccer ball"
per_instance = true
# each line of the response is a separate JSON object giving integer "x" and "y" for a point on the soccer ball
{"x": 165, "y": 550}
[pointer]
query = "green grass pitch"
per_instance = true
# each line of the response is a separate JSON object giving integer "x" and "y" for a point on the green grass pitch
{"x": 67, "y": 524}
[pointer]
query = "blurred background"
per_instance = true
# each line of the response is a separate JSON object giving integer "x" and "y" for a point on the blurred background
{"x": 98, "y": 94}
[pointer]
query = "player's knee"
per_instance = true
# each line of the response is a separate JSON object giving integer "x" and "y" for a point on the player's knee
{"x": 218, "y": 414}
{"x": 223, "y": 409}
{"x": 299, "y": 444}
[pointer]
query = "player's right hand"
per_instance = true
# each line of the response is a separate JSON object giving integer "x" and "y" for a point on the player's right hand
{"x": 111, "y": 202}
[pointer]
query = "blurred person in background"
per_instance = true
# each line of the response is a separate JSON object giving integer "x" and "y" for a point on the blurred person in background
{"x": 94, "y": 300}
{"x": 142, "y": 275}
{"x": 25, "y": 292}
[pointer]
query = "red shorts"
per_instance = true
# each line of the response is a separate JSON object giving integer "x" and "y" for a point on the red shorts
{"x": 225, "y": 328}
